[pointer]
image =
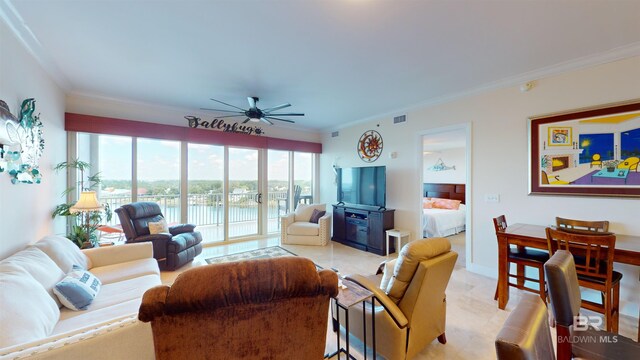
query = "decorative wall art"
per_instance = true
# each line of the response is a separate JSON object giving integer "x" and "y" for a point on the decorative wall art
{"x": 21, "y": 143}
{"x": 592, "y": 151}
{"x": 370, "y": 146}
{"x": 221, "y": 125}
{"x": 559, "y": 136}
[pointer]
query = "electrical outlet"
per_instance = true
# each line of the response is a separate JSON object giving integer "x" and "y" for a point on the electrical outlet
{"x": 494, "y": 198}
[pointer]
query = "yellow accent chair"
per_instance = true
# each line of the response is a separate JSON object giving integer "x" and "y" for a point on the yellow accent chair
{"x": 410, "y": 299}
{"x": 630, "y": 163}
{"x": 596, "y": 160}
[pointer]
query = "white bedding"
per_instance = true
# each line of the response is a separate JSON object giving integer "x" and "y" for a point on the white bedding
{"x": 441, "y": 222}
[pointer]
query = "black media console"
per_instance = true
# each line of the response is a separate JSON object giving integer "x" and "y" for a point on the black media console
{"x": 362, "y": 227}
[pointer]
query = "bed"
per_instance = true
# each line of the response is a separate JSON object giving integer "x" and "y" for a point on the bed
{"x": 444, "y": 222}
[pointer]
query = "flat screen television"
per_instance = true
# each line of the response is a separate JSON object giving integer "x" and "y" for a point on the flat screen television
{"x": 363, "y": 186}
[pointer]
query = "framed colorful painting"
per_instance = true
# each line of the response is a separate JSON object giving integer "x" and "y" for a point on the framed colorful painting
{"x": 592, "y": 151}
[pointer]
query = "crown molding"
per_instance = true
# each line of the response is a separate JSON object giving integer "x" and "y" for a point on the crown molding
{"x": 25, "y": 36}
{"x": 612, "y": 55}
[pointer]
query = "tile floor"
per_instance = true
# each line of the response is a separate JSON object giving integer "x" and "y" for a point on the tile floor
{"x": 473, "y": 317}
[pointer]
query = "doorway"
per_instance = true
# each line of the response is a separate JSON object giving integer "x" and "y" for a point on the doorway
{"x": 445, "y": 172}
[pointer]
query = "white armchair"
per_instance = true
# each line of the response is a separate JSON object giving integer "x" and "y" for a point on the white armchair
{"x": 296, "y": 228}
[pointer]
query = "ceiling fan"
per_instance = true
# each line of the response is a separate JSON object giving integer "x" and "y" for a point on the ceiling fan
{"x": 255, "y": 114}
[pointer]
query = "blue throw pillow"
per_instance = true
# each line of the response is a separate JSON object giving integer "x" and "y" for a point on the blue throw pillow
{"x": 78, "y": 289}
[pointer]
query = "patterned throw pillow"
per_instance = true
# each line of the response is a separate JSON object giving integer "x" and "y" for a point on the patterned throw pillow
{"x": 158, "y": 227}
{"x": 427, "y": 203}
{"x": 445, "y": 204}
{"x": 316, "y": 215}
{"x": 78, "y": 289}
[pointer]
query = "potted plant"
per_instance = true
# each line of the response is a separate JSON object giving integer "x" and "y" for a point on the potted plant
{"x": 610, "y": 165}
{"x": 83, "y": 224}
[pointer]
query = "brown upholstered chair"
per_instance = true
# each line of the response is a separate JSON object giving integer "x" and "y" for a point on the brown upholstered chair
{"x": 593, "y": 257}
{"x": 579, "y": 341}
{"x": 411, "y": 303}
{"x": 526, "y": 334}
{"x": 523, "y": 257}
{"x": 257, "y": 309}
{"x": 172, "y": 249}
{"x": 600, "y": 226}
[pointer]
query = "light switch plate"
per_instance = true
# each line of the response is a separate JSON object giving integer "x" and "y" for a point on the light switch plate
{"x": 494, "y": 198}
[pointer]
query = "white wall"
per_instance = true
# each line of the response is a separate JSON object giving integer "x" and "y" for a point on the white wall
{"x": 450, "y": 157}
{"x": 499, "y": 161}
{"x": 25, "y": 209}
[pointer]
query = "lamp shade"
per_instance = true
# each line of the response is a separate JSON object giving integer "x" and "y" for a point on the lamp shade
{"x": 88, "y": 202}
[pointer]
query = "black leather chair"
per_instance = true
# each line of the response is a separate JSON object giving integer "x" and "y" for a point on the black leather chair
{"x": 173, "y": 249}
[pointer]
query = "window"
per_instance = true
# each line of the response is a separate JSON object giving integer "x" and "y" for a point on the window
{"x": 159, "y": 175}
{"x": 206, "y": 196}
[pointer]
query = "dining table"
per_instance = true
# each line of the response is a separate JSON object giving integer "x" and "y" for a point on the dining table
{"x": 627, "y": 251}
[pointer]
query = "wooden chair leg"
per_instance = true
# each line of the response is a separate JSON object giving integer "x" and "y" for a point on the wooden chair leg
{"x": 541, "y": 285}
{"x": 495, "y": 296}
{"x": 607, "y": 310}
{"x": 442, "y": 339}
{"x": 564, "y": 350}
{"x": 615, "y": 318}
{"x": 521, "y": 274}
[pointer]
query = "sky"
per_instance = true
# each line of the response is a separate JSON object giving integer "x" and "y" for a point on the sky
{"x": 160, "y": 160}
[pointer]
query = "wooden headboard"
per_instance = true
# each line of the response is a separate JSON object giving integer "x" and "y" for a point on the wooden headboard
{"x": 444, "y": 191}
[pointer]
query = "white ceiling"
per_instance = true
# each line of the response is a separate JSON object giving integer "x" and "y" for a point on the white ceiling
{"x": 337, "y": 61}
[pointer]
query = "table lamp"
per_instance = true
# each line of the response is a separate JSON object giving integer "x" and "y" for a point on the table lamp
{"x": 87, "y": 203}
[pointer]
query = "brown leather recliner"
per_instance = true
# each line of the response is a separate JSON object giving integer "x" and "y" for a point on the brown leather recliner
{"x": 173, "y": 249}
{"x": 411, "y": 303}
{"x": 257, "y": 309}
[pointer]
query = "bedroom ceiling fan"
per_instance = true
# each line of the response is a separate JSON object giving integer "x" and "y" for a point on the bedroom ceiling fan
{"x": 255, "y": 114}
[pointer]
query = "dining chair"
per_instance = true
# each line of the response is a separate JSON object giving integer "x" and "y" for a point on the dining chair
{"x": 593, "y": 256}
{"x": 576, "y": 338}
{"x": 526, "y": 333}
{"x": 523, "y": 257}
{"x": 582, "y": 225}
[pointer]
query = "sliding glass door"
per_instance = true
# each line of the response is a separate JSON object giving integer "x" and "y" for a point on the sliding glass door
{"x": 158, "y": 175}
{"x": 244, "y": 197}
{"x": 205, "y": 174}
{"x": 278, "y": 188}
{"x": 227, "y": 192}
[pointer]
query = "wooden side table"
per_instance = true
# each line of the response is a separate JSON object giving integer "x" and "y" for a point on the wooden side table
{"x": 398, "y": 234}
{"x": 351, "y": 296}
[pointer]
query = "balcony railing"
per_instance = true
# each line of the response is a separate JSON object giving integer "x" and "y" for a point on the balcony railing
{"x": 206, "y": 209}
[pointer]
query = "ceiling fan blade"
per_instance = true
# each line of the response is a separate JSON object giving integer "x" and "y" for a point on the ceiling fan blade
{"x": 229, "y": 111}
{"x": 246, "y": 120}
{"x": 276, "y": 108}
{"x": 289, "y": 114}
{"x": 266, "y": 120}
{"x": 221, "y": 102}
{"x": 275, "y": 118}
{"x": 252, "y": 101}
{"x": 229, "y": 116}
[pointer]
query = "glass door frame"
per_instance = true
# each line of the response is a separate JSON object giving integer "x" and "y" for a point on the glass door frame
{"x": 259, "y": 187}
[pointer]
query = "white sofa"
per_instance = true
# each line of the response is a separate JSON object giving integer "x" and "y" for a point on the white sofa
{"x": 34, "y": 325}
{"x": 296, "y": 228}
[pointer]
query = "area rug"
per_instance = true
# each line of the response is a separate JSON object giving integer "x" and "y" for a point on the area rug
{"x": 264, "y": 253}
